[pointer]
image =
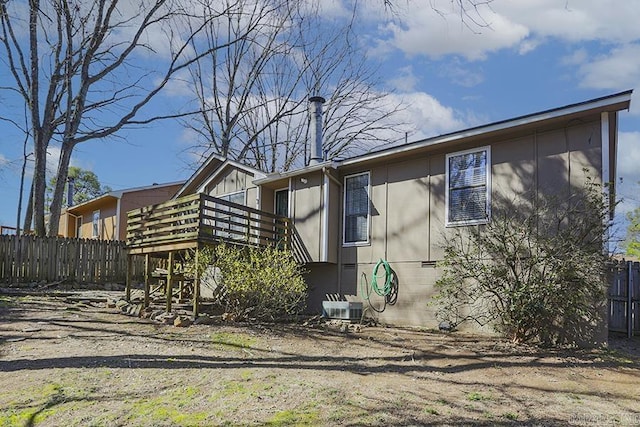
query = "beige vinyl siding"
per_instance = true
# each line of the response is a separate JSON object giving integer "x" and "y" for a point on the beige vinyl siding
{"x": 408, "y": 207}
{"x": 229, "y": 181}
{"x": 306, "y": 212}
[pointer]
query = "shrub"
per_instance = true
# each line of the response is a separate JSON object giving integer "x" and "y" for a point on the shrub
{"x": 255, "y": 283}
{"x": 535, "y": 272}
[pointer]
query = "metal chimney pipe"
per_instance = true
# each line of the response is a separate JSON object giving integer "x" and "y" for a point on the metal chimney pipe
{"x": 316, "y": 129}
{"x": 70, "y": 191}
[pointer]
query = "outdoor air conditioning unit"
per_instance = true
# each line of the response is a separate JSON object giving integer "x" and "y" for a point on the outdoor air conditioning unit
{"x": 344, "y": 310}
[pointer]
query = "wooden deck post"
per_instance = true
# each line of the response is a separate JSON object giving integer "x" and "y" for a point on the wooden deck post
{"x": 196, "y": 286}
{"x": 169, "y": 290}
{"x": 127, "y": 295}
{"x": 147, "y": 279}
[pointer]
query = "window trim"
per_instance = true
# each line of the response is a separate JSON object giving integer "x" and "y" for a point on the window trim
{"x": 233, "y": 193}
{"x": 344, "y": 211}
{"x": 95, "y": 224}
{"x": 278, "y": 190}
{"x": 486, "y": 220}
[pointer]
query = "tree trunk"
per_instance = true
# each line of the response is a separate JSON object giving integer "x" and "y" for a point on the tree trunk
{"x": 28, "y": 214}
{"x": 58, "y": 192}
{"x": 39, "y": 187}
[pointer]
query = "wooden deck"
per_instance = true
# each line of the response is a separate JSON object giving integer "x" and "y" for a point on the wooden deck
{"x": 199, "y": 219}
{"x": 189, "y": 223}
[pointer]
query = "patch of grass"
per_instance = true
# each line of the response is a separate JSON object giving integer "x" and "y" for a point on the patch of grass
{"x": 475, "y": 396}
{"x": 40, "y": 406}
{"x": 304, "y": 416}
{"x": 246, "y": 375}
{"x": 430, "y": 410}
{"x": 235, "y": 341}
{"x": 169, "y": 408}
{"x": 512, "y": 416}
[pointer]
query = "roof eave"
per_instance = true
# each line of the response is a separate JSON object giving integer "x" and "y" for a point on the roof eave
{"x": 284, "y": 175}
{"x": 615, "y": 102}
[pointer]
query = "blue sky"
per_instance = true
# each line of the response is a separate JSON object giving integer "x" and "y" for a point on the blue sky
{"x": 530, "y": 56}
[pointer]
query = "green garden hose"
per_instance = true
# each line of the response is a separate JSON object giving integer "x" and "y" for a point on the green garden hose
{"x": 388, "y": 279}
{"x": 386, "y": 291}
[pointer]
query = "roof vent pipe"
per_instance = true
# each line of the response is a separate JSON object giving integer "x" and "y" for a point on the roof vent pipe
{"x": 70, "y": 191}
{"x": 316, "y": 129}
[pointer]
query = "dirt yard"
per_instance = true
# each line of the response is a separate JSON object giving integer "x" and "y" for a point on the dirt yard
{"x": 70, "y": 363}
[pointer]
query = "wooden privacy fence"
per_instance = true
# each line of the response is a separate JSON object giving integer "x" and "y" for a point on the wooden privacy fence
{"x": 35, "y": 259}
{"x": 624, "y": 298}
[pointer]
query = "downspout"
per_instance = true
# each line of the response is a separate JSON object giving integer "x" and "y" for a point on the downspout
{"x": 325, "y": 228}
{"x": 324, "y": 250}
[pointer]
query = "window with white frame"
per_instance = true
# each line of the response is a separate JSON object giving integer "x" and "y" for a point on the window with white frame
{"x": 95, "y": 225}
{"x": 356, "y": 208}
{"x": 468, "y": 196}
{"x": 226, "y": 219}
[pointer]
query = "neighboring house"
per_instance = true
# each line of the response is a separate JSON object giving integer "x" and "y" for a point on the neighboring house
{"x": 396, "y": 204}
{"x": 105, "y": 217}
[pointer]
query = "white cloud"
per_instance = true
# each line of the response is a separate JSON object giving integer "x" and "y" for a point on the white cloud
{"x": 427, "y": 115}
{"x": 575, "y": 20}
{"x": 628, "y": 171}
{"x": 424, "y": 31}
{"x": 521, "y": 25}
{"x": 406, "y": 80}
{"x": 618, "y": 69}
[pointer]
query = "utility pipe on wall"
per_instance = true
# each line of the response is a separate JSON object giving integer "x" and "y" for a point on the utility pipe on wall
{"x": 324, "y": 250}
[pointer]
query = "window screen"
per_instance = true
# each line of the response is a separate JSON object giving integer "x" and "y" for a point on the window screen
{"x": 468, "y": 195}
{"x": 356, "y": 208}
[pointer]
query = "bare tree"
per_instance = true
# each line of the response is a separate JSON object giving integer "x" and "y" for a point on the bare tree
{"x": 253, "y": 94}
{"x": 79, "y": 66}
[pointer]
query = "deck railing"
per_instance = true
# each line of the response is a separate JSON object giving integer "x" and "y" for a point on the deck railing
{"x": 205, "y": 219}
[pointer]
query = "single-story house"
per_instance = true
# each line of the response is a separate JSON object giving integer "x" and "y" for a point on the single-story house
{"x": 105, "y": 217}
{"x": 396, "y": 204}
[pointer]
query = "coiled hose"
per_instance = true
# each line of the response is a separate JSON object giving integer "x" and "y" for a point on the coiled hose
{"x": 388, "y": 279}
{"x": 384, "y": 291}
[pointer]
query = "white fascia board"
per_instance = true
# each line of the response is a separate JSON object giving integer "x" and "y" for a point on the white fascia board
{"x": 599, "y": 103}
{"x": 296, "y": 172}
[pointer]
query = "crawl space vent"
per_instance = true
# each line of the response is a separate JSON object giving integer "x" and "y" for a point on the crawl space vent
{"x": 345, "y": 310}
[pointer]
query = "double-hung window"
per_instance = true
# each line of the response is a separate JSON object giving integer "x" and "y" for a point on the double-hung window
{"x": 356, "y": 209}
{"x": 468, "y": 196}
{"x": 229, "y": 218}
